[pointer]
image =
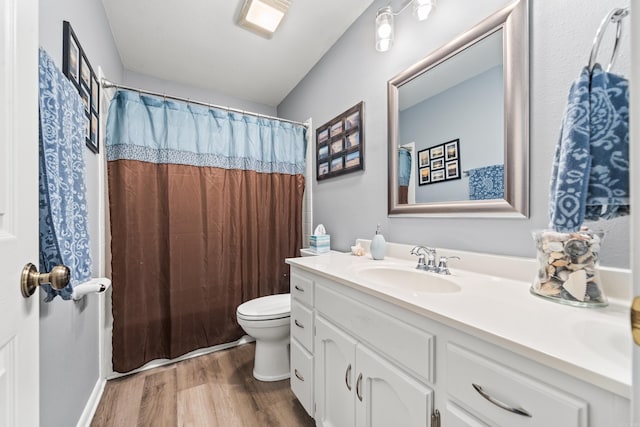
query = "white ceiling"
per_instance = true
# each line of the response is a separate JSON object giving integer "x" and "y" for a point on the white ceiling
{"x": 196, "y": 42}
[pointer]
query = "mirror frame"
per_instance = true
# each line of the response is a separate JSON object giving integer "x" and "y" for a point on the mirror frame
{"x": 514, "y": 21}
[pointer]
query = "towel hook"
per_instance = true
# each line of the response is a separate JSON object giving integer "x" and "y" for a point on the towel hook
{"x": 615, "y": 16}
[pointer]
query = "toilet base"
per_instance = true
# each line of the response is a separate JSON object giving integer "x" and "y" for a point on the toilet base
{"x": 272, "y": 360}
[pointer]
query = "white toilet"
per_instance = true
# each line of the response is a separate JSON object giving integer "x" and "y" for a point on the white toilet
{"x": 267, "y": 320}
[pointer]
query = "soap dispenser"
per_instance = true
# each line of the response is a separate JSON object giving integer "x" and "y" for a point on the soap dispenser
{"x": 378, "y": 245}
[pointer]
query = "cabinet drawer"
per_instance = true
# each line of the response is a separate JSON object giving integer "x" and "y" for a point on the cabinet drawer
{"x": 548, "y": 406}
{"x": 302, "y": 376}
{"x": 409, "y": 346}
{"x": 302, "y": 325}
{"x": 302, "y": 289}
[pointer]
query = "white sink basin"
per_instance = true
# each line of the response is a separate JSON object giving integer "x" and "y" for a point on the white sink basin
{"x": 407, "y": 279}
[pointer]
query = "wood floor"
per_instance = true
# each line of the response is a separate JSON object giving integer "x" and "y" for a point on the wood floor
{"x": 217, "y": 389}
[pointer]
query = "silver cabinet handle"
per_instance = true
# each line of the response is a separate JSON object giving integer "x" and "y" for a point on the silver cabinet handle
{"x": 298, "y": 324}
{"x": 359, "y": 387}
{"x": 298, "y": 288}
{"x": 300, "y": 377}
{"x": 500, "y": 404}
{"x": 347, "y": 377}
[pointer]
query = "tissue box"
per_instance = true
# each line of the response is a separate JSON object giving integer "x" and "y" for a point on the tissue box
{"x": 320, "y": 242}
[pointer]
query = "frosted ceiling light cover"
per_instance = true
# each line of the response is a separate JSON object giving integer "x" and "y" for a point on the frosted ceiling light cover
{"x": 262, "y": 16}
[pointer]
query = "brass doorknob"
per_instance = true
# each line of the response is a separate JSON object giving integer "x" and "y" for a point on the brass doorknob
{"x": 58, "y": 278}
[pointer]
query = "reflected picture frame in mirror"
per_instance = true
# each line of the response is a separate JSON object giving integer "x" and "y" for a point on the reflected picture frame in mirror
{"x": 512, "y": 21}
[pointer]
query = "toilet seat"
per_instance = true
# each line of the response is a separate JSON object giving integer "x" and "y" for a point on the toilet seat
{"x": 266, "y": 308}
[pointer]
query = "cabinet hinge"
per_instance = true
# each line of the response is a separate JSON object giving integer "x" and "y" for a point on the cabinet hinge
{"x": 435, "y": 419}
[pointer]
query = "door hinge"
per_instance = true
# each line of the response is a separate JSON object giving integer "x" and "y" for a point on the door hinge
{"x": 435, "y": 418}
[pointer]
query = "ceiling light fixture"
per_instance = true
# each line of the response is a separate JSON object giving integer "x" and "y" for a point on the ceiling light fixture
{"x": 263, "y": 16}
{"x": 384, "y": 21}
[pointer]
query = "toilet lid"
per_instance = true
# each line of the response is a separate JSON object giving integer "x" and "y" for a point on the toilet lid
{"x": 269, "y": 307}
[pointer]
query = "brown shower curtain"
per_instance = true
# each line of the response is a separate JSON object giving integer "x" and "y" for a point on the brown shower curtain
{"x": 190, "y": 244}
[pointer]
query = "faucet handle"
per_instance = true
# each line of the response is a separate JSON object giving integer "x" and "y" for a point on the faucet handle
{"x": 443, "y": 267}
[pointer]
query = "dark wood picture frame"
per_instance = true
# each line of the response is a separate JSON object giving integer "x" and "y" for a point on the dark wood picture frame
{"x": 439, "y": 163}
{"x": 78, "y": 70}
{"x": 340, "y": 144}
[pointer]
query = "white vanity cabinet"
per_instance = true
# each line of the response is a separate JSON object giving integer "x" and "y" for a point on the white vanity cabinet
{"x": 356, "y": 387}
{"x": 374, "y": 361}
{"x": 302, "y": 318}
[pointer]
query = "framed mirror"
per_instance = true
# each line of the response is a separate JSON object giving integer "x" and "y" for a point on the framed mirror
{"x": 458, "y": 124}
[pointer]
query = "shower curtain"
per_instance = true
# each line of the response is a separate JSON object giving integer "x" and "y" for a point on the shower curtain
{"x": 205, "y": 205}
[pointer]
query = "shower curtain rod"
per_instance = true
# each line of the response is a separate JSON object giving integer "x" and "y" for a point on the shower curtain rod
{"x": 108, "y": 84}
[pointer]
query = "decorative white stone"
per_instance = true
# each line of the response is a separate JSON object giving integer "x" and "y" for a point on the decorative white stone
{"x": 576, "y": 284}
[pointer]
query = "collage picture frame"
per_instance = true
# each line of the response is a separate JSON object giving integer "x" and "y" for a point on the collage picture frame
{"x": 439, "y": 163}
{"x": 78, "y": 70}
{"x": 340, "y": 144}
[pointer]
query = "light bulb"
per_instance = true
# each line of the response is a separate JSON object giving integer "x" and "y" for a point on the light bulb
{"x": 384, "y": 29}
{"x": 423, "y": 8}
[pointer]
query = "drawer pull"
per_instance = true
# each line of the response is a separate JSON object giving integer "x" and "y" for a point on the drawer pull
{"x": 359, "y": 387}
{"x": 298, "y": 324}
{"x": 298, "y": 288}
{"x": 300, "y": 377}
{"x": 347, "y": 377}
{"x": 500, "y": 404}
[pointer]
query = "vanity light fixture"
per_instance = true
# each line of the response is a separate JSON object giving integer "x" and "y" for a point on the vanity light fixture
{"x": 262, "y": 16}
{"x": 384, "y": 20}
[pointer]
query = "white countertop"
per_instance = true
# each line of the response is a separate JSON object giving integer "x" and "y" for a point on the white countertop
{"x": 592, "y": 344}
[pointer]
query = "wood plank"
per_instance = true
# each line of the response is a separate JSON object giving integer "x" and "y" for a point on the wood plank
{"x": 120, "y": 402}
{"x": 217, "y": 389}
{"x": 159, "y": 400}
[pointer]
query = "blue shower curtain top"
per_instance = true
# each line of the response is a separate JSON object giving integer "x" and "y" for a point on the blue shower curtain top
{"x": 64, "y": 235}
{"x": 590, "y": 179}
{"x": 157, "y": 130}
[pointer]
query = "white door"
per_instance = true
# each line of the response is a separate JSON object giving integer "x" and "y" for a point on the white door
{"x": 19, "y": 391}
{"x": 634, "y": 121}
{"x": 386, "y": 396}
{"x": 334, "y": 376}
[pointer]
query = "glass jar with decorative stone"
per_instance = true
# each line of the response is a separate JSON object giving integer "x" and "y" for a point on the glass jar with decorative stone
{"x": 567, "y": 268}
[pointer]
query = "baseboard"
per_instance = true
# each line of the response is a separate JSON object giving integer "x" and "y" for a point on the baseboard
{"x": 92, "y": 404}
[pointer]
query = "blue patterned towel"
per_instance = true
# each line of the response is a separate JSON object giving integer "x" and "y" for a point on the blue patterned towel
{"x": 590, "y": 178}
{"x": 404, "y": 166}
{"x": 64, "y": 237}
{"x": 486, "y": 183}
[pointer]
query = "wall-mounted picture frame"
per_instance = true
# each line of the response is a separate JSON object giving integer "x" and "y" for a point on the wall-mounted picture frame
{"x": 439, "y": 163}
{"x": 424, "y": 160}
{"x": 451, "y": 149}
{"x": 425, "y": 175}
{"x": 340, "y": 144}
{"x": 78, "y": 70}
{"x": 453, "y": 170}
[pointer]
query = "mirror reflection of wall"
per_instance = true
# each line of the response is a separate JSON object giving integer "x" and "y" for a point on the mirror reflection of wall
{"x": 461, "y": 98}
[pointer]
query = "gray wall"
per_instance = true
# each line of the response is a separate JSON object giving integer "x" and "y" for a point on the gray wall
{"x": 472, "y": 112}
{"x": 142, "y": 81}
{"x": 69, "y": 345}
{"x": 69, "y": 348}
{"x": 350, "y": 206}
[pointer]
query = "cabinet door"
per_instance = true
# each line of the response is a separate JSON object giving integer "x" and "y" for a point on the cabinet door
{"x": 334, "y": 376}
{"x": 386, "y": 396}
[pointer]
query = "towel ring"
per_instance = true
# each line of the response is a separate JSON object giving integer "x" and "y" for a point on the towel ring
{"x": 614, "y": 16}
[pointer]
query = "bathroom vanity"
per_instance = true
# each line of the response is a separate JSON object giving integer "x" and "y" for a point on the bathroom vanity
{"x": 379, "y": 343}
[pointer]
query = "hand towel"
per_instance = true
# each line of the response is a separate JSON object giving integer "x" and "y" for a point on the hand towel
{"x": 590, "y": 178}
{"x": 64, "y": 236}
{"x": 486, "y": 183}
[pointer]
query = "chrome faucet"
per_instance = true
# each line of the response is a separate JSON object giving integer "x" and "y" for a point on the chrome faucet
{"x": 426, "y": 258}
{"x": 443, "y": 268}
